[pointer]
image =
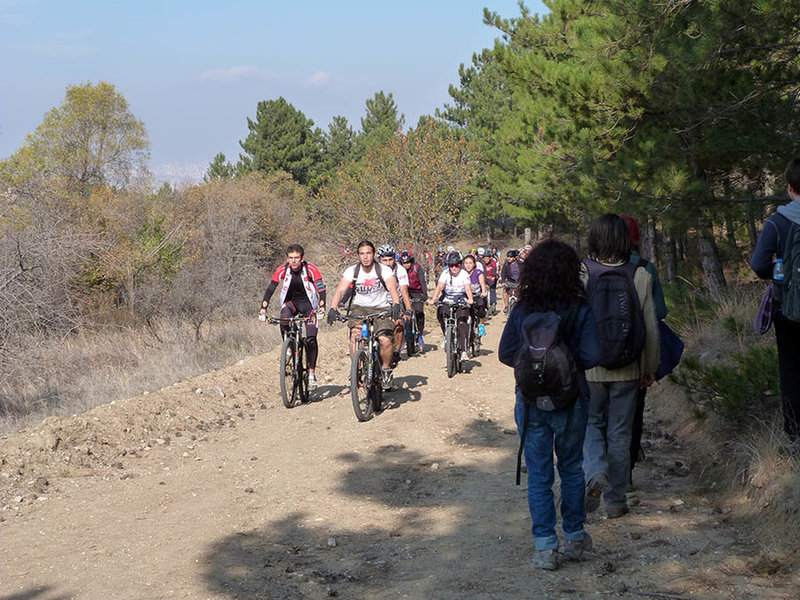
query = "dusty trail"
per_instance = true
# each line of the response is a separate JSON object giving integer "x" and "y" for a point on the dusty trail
{"x": 179, "y": 494}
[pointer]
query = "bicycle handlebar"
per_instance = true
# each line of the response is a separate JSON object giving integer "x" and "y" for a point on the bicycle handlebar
{"x": 377, "y": 315}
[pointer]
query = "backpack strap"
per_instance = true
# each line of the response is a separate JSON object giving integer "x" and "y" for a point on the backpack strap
{"x": 355, "y": 278}
{"x": 522, "y": 440}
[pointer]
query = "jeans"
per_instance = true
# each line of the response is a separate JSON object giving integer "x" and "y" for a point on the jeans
{"x": 607, "y": 448}
{"x": 787, "y": 338}
{"x": 563, "y": 430}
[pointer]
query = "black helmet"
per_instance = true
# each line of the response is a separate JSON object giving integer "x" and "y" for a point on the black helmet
{"x": 453, "y": 258}
{"x": 405, "y": 256}
{"x": 512, "y": 253}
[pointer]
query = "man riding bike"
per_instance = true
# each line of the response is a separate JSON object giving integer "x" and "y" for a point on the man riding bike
{"x": 302, "y": 293}
{"x": 509, "y": 276}
{"x": 374, "y": 289}
{"x": 386, "y": 255}
{"x": 417, "y": 290}
{"x": 453, "y": 286}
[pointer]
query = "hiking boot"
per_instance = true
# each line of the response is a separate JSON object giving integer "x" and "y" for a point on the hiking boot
{"x": 464, "y": 355}
{"x": 505, "y": 310}
{"x": 616, "y": 512}
{"x": 395, "y": 359}
{"x": 481, "y": 330}
{"x": 312, "y": 382}
{"x": 594, "y": 489}
{"x": 544, "y": 559}
{"x": 386, "y": 379}
{"x": 573, "y": 550}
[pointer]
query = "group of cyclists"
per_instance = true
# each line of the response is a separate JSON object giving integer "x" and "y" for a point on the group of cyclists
{"x": 392, "y": 282}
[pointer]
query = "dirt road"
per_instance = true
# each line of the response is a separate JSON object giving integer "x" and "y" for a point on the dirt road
{"x": 212, "y": 489}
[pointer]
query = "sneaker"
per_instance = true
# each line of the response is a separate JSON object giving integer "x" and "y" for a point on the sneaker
{"x": 616, "y": 512}
{"x": 386, "y": 379}
{"x": 395, "y": 359}
{"x": 464, "y": 355}
{"x": 420, "y": 342}
{"x": 573, "y": 550}
{"x": 505, "y": 310}
{"x": 481, "y": 330}
{"x": 312, "y": 382}
{"x": 544, "y": 559}
{"x": 594, "y": 489}
{"x": 441, "y": 344}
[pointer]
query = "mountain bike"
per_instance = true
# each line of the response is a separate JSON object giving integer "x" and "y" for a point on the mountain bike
{"x": 452, "y": 350}
{"x": 294, "y": 363}
{"x": 365, "y": 368}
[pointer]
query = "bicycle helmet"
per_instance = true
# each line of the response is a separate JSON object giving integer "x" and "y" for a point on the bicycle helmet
{"x": 453, "y": 258}
{"x": 405, "y": 256}
{"x": 481, "y": 251}
{"x": 451, "y": 249}
{"x": 386, "y": 250}
{"x": 512, "y": 253}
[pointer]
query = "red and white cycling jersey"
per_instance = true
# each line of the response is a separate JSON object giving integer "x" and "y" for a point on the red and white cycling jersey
{"x": 310, "y": 277}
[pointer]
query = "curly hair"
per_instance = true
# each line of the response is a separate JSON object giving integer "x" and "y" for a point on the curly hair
{"x": 550, "y": 277}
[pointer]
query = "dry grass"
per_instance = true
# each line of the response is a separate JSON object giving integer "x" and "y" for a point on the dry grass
{"x": 93, "y": 368}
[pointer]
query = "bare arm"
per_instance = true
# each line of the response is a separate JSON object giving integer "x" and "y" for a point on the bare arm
{"x": 344, "y": 283}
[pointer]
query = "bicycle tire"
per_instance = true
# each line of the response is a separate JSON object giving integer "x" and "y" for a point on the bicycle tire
{"x": 411, "y": 338}
{"x": 376, "y": 390}
{"x": 287, "y": 373}
{"x": 360, "y": 385}
{"x": 450, "y": 351}
{"x": 302, "y": 374}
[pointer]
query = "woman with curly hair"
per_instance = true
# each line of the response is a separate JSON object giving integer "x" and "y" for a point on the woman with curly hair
{"x": 550, "y": 282}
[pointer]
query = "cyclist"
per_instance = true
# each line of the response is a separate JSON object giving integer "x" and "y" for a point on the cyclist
{"x": 509, "y": 276}
{"x": 417, "y": 290}
{"x": 302, "y": 293}
{"x": 374, "y": 289}
{"x": 480, "y": 291}
{"x": 490, "y": 272}
{"x": 454, "y": 285}
{"x": 386, "y": 255}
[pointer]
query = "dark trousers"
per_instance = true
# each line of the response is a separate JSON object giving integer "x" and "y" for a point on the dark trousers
{"x": 787, "y": 337}
{"x": 417, "y": 304}
{"x": 638, "y": 427}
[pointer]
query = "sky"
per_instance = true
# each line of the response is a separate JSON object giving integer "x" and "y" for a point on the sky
{"x": 194, "y": 71}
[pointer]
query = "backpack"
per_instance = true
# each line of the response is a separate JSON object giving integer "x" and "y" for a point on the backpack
{"x": 620, "y": 321}
{"x": 544, "y": 368}
{"x": 789, "y": 289}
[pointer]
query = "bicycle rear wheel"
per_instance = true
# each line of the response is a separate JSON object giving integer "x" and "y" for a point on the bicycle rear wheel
{"x": 411, "y": 336}
{"x": 361, "y": 385}
{"x": 450, "y": 350}
{"x": 288, "y": 374}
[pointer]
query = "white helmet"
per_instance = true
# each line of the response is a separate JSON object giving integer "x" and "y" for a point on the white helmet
{"x": 481, "y": 251}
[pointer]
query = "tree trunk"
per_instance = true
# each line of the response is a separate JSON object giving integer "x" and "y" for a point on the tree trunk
{"x": 646, "y": 243}
{"x": 527, "y": 236}
{"x": 709, "y": 259}
{"x": 655, "y": 253}
{"x": 671, "y": 257}
{"x": 752, "y": 232}
{"x": 730, "y": 231}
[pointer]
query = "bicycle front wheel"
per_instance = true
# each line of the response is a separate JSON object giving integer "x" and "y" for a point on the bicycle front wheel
{"x": 302, "y": 374}
{"x": 450, "y": 350}
{"x": 361, "y": 385}
{"x": 411, "y": 336}
{"x": 288, "y": 374}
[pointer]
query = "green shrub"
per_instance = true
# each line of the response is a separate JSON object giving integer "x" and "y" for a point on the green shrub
{"x": 747, "y": 387}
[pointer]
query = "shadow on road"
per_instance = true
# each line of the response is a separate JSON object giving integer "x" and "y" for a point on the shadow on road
{"x": 40, "y": 593}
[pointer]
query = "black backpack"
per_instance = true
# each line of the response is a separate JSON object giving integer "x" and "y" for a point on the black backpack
{"x": 620, "y": 321}
{"x": 544, "y": 368}
{"x": 788, "y": 291}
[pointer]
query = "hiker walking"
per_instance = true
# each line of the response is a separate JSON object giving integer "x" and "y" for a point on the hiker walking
{"x": 621, "y": 296}
{"x": 552, "y": 393}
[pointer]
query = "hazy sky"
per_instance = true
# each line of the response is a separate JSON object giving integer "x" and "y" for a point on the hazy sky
{"x": 193, "y": 71}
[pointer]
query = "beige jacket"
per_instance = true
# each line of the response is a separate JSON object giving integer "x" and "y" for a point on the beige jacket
{"x": 648, "y": 361}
